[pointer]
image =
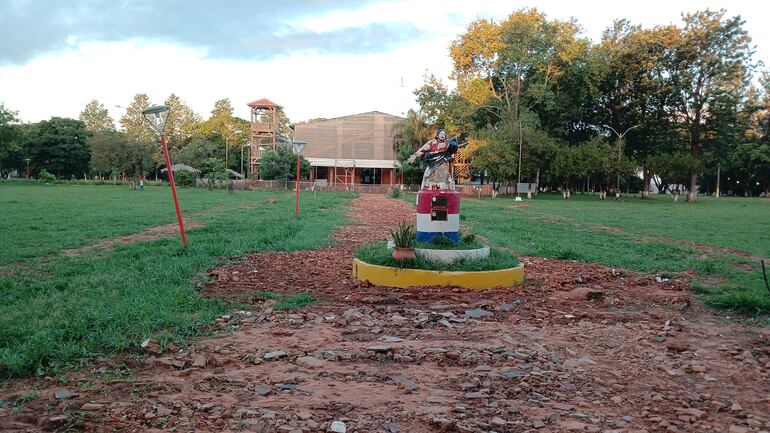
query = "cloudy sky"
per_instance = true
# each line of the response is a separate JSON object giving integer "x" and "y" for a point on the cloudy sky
{"x": 317, "y": 58}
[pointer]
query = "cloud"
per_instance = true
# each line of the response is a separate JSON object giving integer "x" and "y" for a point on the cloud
{"x": 236, "y": 30}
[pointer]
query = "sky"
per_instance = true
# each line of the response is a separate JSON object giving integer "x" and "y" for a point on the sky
{"x": 316, "y": 58}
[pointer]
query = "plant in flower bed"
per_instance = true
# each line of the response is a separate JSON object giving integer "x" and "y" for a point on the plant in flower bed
{"x": 404, "y": 238}
{"x": 378, "y": 254}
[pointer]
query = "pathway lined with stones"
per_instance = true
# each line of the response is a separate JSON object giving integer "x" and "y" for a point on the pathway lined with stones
{"x": 578, "y": 347}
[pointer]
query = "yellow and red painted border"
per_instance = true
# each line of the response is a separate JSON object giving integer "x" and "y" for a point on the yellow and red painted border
{"x": 402, "y": 277}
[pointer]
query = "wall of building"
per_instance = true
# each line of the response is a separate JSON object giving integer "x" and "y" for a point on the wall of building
{"x": 359, "y": 136}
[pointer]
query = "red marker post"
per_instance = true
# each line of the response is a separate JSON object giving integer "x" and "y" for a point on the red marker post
{"x": 298, "y": 146}
{"x": 157, "y": 115}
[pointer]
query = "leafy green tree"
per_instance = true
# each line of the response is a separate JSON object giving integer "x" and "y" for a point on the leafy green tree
{"x": 11, "y": 135}
{"x": 566, "y": 169}
{"x": 60, "y": 145}
{"x": 281, "y": 164}
{"x": 199, "y": 151}
{"x": 712, "y": 60}
{"x": 181, "y": 122}
{"x": 134, "y": 123}
{"x": 222, "y": 107}
{"x": 751, "y": 163}
{"x": 226, "y": 130}
{"x": 214, "y": 172}
{"x": 408, "y": 135}
{"x": 96, "y": 117}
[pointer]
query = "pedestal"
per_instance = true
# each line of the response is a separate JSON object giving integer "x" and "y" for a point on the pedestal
{"x": 438, "y": 214}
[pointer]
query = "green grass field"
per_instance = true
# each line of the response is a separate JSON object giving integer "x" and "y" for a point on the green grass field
{"x": 57, "y": 310}
{"x": 650, "y": 236}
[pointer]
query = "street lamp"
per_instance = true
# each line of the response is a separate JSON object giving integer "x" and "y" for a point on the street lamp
{"x": 157, "y": 116}
{"x": 227, "y": 145}
{"x": 242, "y": 146}
{"x": 298, "y": 146}
{"x": 28, "y": 160}
{"x": 620, "y": 151}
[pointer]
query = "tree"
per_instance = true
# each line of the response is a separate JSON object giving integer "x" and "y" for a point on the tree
{"x": 10, "y": 138}
{"x": 199, "y": 151}
{"x": 60, "y": 145}
{"x": 214, "y": 172}
{"x": 96, "y": 117}
{"x": 222, "y": 107}
{"x": 225, "y": 130}
{"x": 712, "y": 60}
{"x": 751, "y": 163}
{"x": 116, "y": 152}
{"x": 134, "y": 123}
{"x": 180, "y": 123}
{"x": 281, "y": 164}
{"x": 408, "y": 135}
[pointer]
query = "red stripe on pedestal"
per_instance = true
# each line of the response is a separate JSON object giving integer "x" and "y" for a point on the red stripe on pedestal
{"x": 425, "y": 200}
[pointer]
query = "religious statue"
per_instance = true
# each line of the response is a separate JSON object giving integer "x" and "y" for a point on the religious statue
{"x": 437, "y": 154}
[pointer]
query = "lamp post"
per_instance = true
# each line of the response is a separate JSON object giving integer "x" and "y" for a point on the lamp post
{"x": 28, "y": 160}
{"x": 620, "y": 151}
{"x": 298, "y": 146}
{"x": 157, "y": 115}
{"x": 242, "y": 173}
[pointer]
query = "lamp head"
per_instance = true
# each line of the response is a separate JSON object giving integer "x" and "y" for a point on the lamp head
{"x": 157, "y": 116}
{"x": 298, "y": 145}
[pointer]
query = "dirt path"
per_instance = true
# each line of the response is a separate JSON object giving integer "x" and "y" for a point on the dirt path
{"x": 579, "y": 347}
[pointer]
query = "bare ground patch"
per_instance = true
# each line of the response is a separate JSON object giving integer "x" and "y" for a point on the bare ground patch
{"x": 149, "y": 234}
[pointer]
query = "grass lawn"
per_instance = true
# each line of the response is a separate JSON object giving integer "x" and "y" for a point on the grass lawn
{"x": 651, "y": 236}
{"x": 56, "y": 310}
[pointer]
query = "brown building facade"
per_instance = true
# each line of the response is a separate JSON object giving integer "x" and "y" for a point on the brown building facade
{"x": 355, "y": 149}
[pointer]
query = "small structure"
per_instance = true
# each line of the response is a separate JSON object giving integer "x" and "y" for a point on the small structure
{"x": 264, "y": 130}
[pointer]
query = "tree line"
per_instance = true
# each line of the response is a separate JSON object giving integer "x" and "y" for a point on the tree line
{"x": 679, "y": 105}
{"x": 92, "y": 145}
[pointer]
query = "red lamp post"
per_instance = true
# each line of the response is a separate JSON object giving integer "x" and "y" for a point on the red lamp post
{"x": 157, "y": 115}
{"x": 298, "y": 146}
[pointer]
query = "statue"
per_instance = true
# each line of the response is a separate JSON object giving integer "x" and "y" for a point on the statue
{"x": 438, "y": 154}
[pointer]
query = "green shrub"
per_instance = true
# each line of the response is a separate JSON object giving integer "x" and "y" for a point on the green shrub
{"x": 184, "y": 178}
{"x": 396, "y": 193}
{"x": 46, "y": 177}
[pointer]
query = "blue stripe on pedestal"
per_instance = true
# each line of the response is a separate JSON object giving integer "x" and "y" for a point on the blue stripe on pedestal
{"x": 427, "y": 237}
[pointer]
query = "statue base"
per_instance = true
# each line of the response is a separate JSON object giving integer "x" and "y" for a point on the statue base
{"x": 438, "y": 214}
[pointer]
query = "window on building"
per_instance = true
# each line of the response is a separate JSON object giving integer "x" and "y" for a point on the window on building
{"x": 371, "y": 176}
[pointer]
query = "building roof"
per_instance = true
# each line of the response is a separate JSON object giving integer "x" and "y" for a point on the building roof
{"x": 348, "y": 163}
{"x": 263, "y": 103}
{"x": 182, "y": 167}
{"x": 325, "y": 119}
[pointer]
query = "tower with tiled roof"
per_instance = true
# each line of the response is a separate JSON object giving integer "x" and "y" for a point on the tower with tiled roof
{"x": 264, "y": 131}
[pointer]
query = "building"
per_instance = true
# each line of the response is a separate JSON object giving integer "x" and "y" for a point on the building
{"x": 355, "y": 149}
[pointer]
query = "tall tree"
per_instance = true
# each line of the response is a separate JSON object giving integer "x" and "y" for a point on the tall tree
{"x": 408, "y": 135}
{"x": 180, "y": 123}
{"x": 224, "y": 129}
{"x": 222, "y": 107}
{"x": 96, "y": 117}
{"x": 60, "y": 146}
{"x": 134, "y": 123}
{"x": 712, "y": 61}
{"x": 10, "y": 138}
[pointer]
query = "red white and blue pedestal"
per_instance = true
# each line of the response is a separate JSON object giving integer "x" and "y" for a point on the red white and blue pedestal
{"x": 438, "y": 214}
